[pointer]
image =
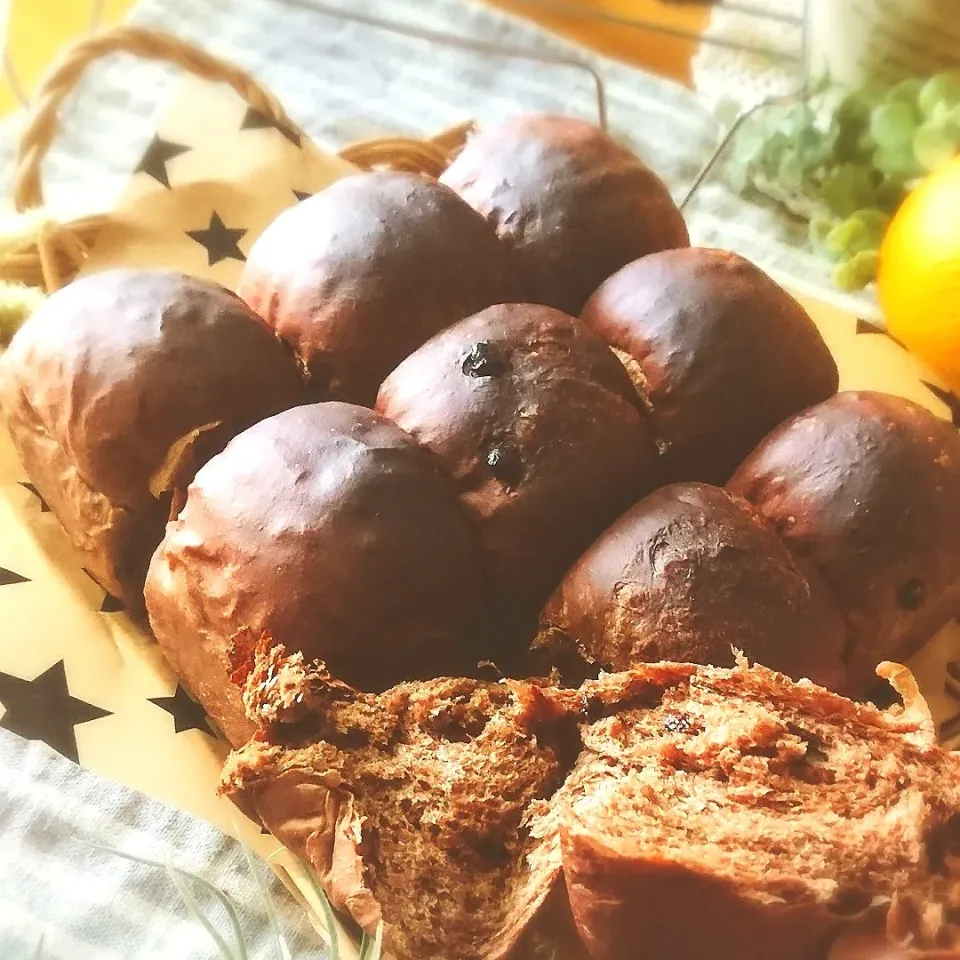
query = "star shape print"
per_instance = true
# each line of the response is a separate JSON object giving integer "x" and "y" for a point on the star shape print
{"x": 43, "y": 709}
{"x": 9, "y": 577}
{"x": 865, "y": 326}
{"x": 154, "y": 161}
{"x": 947, "y": 397}
{"x": 219, "y": 240}
{"x": 44, "y": 508}
{"x": 187, "y": 713}
{"x": 110, "y": 604}
{"x": 255, "y": 120}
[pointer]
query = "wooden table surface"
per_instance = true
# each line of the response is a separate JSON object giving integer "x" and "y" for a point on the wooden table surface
{"x": 38, "y": 29}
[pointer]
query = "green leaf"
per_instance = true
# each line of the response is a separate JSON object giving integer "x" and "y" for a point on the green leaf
{"x": 893, "y": 124}
{"x": 819, "y": 230}
{"x": 890, "y": 194}
{"x": 935, "y": 145}
{"x": 178, "y": 877}
{"x": 906, "y": 92}
{"x": 372, "y": 947}
{"x": 17, "y": 303}
{"x": 329, "y": 917}
{"x": 857, "y": 272}
{"x": 848, "y": 188}
{"x": 282, "y": 948}
{"x": 38, "y": 953}
{"x": 900, "y": 163}
{"x": 795, "y": 119}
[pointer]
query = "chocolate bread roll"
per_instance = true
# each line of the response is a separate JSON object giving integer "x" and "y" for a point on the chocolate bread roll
{"x": 359, "y": 275}
{"x": 866, "y": 487}
{"x": 118, "y": 387}
{"x": 688, "y": 574}
{"x": 720, "y": 352}
{"x": 536, "y": 422}
{"x": 329, "y": 528}
{"x": 572, "y": 203}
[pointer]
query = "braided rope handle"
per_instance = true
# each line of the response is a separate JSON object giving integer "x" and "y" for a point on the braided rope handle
{"x": 54, "y": 251}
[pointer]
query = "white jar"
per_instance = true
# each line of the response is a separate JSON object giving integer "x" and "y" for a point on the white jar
{"x": 854, "y": 40}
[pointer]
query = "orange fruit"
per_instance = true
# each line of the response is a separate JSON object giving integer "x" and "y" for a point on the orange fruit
{"x": 918, "y": 282}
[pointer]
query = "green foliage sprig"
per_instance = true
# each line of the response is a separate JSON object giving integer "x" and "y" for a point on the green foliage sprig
{"x": 844, "y": 160}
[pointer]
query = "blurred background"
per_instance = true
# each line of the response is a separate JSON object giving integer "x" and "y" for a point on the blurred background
{"x": 813, "y": 187}
{"x": 38, "y": 29}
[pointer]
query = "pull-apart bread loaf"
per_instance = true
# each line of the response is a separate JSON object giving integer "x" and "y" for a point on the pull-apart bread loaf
{"x": 688, "y": 574}
{"x": 537, "y": 425}
{"x": 118, "y": 387}
{"x": 720, "y": 353}
{"x": 359, "y": 275}
{"x": 693, "y": 812}
{"x": 571, "y": 203}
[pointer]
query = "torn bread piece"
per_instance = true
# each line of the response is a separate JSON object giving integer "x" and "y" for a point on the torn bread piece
{"x": 411, "y": 805}
{"x": 733, "y": 813}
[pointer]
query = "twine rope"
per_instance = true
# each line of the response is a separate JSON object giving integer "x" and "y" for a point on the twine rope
{"x": 51, "y": 253}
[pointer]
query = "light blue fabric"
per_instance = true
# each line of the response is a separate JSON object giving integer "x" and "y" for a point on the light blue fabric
{"x": 91, "y": 905}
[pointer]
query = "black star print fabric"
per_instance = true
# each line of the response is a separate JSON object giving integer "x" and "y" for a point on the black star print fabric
{"x": 208, "y": 183}
{"x": 157, "y": 156}
{"x": 865, "y": 326}
{"x": 8, "y": 577}
{"x": 219, "y": 240}
{"x": 186, "y": 712}
{"x": 75, "y": 670}
{"x": 43, "y": 709}
{"x": 43, "y": 503}
{"x": 255, "y": 120}
{"x": 950, "y": 400}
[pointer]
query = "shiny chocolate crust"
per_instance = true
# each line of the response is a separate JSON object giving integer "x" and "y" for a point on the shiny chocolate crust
{"x": 572, "y": 203}
{"x": 328, "y": 527}
{"x": 536, "y": 422}
{"x": 118, "y": 387}
{"x": 866, "y": 487}
{"x": 721, "y": 353}
{"x": 688, "y": 574}
{"x": 358, "y": 276}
